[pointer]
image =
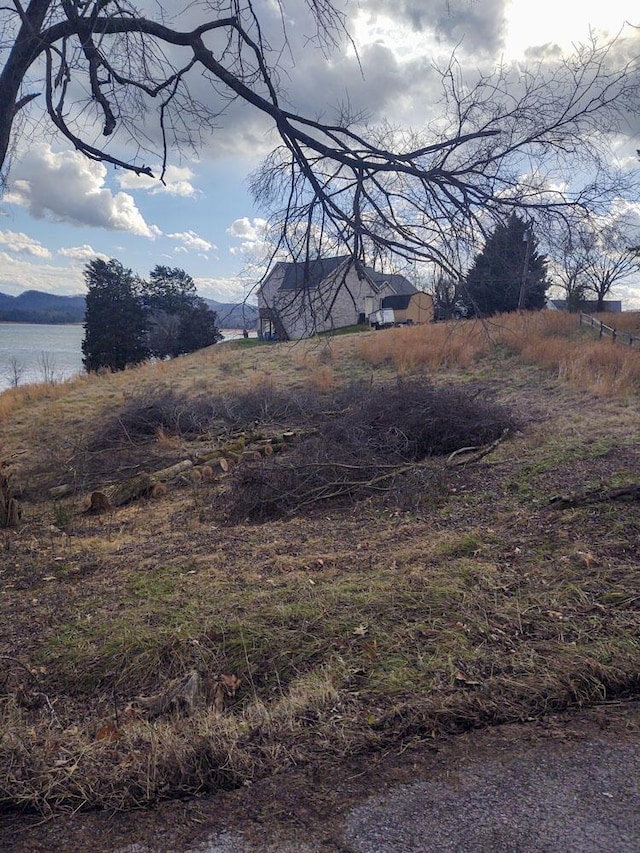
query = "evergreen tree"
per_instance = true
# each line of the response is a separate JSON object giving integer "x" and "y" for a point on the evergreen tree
{"x": 178, "y": 321}
{"x": 114, "y": 324}
{"x": 168, "y": 289}
{"x": 509, "y": 273}
{"x": 198, "y": 327}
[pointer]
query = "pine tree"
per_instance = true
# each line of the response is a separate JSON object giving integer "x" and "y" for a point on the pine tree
{"x": 198, "y": 327}
{"x": 509, "y": 273}
{"x": 114, "y": 325}
{"x": 178, "y": 320}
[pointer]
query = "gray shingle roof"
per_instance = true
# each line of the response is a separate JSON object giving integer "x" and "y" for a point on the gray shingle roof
{"x": 398, "y": 283}
{"x": 299, "y": 275}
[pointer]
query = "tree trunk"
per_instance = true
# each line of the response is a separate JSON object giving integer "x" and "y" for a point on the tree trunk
{"x": 26, "y": 46}
{"x": 122, "y": 493}
{"x": 9, "y": 509}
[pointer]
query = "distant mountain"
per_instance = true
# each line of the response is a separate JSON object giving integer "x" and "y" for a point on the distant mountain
{"x": 232, "y": 315}
{"x": 35, "y": 306}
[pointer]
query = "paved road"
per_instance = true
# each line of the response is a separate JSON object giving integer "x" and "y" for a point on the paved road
{"x": 581, "y": 798}
{"x": 569, "y": 784}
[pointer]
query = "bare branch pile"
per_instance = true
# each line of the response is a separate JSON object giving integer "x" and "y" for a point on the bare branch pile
{"x": 371, "y": 439}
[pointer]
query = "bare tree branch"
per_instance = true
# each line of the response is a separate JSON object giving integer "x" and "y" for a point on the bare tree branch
{"x": 509, "y": 140}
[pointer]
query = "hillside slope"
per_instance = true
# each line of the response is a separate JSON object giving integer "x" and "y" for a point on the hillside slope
{"x": 203, "y": 635}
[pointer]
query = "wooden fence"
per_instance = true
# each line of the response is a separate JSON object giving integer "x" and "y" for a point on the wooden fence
{"x": 608, "y": 331}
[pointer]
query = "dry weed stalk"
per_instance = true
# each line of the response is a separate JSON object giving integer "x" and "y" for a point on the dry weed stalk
{"x": 9, "y": 507}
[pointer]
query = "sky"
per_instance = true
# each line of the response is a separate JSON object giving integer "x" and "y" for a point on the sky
{"x": 59, "y": 209}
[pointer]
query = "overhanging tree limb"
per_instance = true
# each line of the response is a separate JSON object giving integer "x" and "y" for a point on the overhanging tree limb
{"x": 366, "y": 191}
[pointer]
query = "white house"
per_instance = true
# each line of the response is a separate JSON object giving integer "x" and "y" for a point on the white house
{"x": 297, "y": 300}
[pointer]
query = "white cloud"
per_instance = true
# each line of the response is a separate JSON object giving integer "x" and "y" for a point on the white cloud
{"x": 22, "y": 244}
{"x": 252, "y": 232}
{"x": 222, "y": 289}
{"x": 248, "y": 229}
{"x": 82, "y": 254}
{"x": 620, "y": 224}
{"x": 17, "y": 275}
{"x": 479, "y": 26}
{"x": 67, "y": 187}
{"x": 177, "y": 181}
{"x": 191, "y": 242}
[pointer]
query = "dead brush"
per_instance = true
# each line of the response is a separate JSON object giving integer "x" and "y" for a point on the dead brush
{"x": 372, "y": 437}
{"x": 155, "y": 413}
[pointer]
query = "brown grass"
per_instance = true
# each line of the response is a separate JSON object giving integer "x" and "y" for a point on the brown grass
{"x": 355, "y": 627}
{"x": 550, "y": 339}
{"x": 432, "y": 346}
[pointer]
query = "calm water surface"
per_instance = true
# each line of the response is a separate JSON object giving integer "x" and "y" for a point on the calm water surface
{"x": 40, "y": 353}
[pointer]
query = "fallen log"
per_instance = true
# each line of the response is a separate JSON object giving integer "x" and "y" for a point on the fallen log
{"x": 598, "y": 495}
{"x": 121, "y": 493}
{"x": 217, "y": 466}
{"x": 172, "y": 471}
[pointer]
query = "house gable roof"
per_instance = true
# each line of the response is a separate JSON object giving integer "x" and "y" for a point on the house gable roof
{"x": 301, "y": 275}
{"x": 396, "y": 282}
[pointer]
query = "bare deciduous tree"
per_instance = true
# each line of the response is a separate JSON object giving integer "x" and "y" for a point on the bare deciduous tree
{"x": 568, "y": 264}
{"x": 14, "y": 371}
{"x": 47, "y": 367}
{"x": 610, "y": 260}
{"x": 591, "y": 257}
{"x": 104, "y": 70}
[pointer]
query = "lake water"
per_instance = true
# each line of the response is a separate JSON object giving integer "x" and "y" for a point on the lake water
{"x": 31, "y": 352}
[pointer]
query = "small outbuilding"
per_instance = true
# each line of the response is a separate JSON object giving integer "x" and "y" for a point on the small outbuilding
{"x": 409, "y": 309}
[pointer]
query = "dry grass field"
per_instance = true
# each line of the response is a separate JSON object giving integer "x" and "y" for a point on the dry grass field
{"x": 412, "y": 532}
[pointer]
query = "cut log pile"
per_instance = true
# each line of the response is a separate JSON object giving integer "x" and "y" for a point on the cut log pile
{"x": 207, "y": 466}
